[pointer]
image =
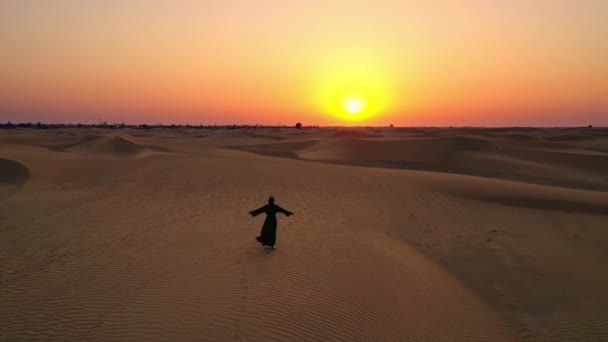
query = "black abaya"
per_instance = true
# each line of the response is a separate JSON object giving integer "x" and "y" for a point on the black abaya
{"x": 268, "y": 235}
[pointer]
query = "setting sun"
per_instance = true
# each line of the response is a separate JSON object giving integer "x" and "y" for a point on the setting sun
{"x": 357, "y": 88}
{"x": 353, "y": 104}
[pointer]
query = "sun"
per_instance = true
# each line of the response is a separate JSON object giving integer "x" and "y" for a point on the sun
{"x": 354, "y": 89}
{"x": 353, "y": 104}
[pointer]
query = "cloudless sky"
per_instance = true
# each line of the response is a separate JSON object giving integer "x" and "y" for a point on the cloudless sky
{"x": 419, "y": 63}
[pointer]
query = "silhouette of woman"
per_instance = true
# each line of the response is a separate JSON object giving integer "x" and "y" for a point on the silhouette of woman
{"x": 268, "y": 236}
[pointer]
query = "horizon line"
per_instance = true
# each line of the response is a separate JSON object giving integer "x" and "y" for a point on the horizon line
{"x": 104, "y": 125}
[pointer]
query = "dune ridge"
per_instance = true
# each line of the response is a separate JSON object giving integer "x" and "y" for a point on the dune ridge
{"x": 455, "y": 154}
{"x": 110, "y": 145}
{"x": 64, "y": 147}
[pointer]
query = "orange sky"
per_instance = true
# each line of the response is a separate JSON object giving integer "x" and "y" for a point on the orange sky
{"x": 418, "y": 63}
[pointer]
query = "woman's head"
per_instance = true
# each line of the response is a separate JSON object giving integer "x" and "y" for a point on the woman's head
{"x": 270, "y": 200}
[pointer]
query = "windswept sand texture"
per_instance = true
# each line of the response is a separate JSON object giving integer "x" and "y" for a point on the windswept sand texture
{"x": 399, "y": 234}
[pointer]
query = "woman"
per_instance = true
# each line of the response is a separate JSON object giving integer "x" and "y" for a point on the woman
{"x": 268, "y": 236}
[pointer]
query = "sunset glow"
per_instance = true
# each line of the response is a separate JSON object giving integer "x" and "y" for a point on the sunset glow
{"x": 276, "y": 62}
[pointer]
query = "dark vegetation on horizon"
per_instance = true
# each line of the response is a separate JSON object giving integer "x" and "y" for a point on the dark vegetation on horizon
{"x": 105, "y": 125}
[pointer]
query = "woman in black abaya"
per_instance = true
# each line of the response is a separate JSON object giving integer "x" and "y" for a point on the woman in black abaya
{"x": 268, "y": 236}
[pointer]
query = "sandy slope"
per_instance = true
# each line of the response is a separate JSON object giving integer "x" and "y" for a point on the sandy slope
{"x": 12, "y": 175}
{"x": 101, "y": 241}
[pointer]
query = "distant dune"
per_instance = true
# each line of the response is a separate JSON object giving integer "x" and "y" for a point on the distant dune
{"x": 74, "y": 143}
{"x": 569, "y": 137}
{"x": 107, "y": 145}
{"x": 483, "y": 156}
{"x": 399, "y": 234}
{"x": 520, "y": 137}
{"x": 354, "y": 134}
{"x": 118, "y": 145}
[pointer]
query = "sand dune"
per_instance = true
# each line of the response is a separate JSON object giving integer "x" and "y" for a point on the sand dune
{"x": 99, "y": 247}
{"x": 118, "y": 145}
{"x": 12, "y": 175}
{"x": 70, "y": 133}
{"x": 203, "y": 134}
{"x": 101, "y": 144}
{"x": 416, "y": 150}
{"x": 355, "y": 134}
{"x": 544, "y": 164}
{"x": 246, "y": 134}
{"x": 74, "y": 143}
{"x": 569, "y": 137}
{"x": 12, "y": 172}
{"x": 520, "y": 137}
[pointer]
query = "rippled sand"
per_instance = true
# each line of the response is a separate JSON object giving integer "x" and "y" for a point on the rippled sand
{"x": 398, "y": 235}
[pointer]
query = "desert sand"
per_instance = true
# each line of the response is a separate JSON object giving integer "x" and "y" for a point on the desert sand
{"x": 399, "y": 234}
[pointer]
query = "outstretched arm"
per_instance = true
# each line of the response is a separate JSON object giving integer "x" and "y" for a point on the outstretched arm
{"x": 286, "y": 212}
{"x": 257, "y": 211}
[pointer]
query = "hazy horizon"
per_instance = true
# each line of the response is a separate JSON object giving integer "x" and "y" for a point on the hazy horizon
{"x": 304, "y": 125}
